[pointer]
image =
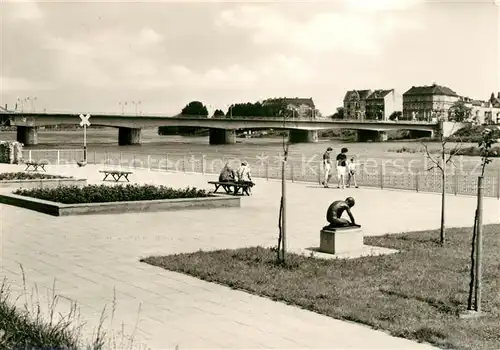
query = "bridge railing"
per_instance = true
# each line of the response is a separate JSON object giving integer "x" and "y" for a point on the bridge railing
{"x": 367, "y": 174}
{"x": 236, "y": 117}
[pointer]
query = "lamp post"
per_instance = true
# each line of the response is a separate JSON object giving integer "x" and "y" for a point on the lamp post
{"x": 136, "y": 103}
{"x": 122, "y": 104}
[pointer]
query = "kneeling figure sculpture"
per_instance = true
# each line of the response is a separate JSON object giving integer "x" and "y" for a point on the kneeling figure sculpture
{"x": 335, "y": 211}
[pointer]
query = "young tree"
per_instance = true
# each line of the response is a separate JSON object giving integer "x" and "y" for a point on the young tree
{"x": 488, "y": 138}
{"x": 281, "y": 251}
{"x": 445, "y": 157}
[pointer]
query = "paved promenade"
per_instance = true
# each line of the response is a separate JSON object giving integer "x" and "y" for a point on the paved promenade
{"x": 91, "y": 256}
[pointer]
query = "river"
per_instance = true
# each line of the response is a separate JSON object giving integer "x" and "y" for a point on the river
{"x": 371, "y": 155}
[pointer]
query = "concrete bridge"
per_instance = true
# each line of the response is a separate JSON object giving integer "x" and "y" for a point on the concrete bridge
{"x": 222, "y": 129}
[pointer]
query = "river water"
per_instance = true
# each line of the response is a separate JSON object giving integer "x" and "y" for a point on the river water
{"x": 254, "y": 150}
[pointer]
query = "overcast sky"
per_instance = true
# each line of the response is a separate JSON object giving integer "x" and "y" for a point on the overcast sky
{"x": 88, "y": 56}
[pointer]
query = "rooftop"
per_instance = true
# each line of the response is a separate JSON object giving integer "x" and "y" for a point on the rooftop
{"x": 363, "y": 94}
{"x": 433, "y": 89}
{"x": 378, "y": 94}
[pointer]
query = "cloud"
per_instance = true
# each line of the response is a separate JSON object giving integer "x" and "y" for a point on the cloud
{"x": 149, "y": 37}
{"x": 14, "y": 84}
{"x": 380, "y": 5}
{"x": 352, "y": 32}
{"x": 22, "y": 10}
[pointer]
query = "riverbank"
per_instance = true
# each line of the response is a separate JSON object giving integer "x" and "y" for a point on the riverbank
{"x": 257, "y": 151}
{"x": 472, "y": 151}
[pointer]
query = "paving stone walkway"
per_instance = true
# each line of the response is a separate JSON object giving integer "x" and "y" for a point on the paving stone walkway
{"x": 94, "y": 260}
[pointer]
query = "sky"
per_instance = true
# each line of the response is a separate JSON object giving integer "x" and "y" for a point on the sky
{"x": 92, "y": 56}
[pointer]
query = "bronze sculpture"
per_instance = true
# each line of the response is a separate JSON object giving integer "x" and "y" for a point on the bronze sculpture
{"x": 335, "y": 211}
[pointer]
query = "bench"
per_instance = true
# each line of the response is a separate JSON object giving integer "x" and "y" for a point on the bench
{"x": 116, "y": 174}
{"x": 35, "y": 165}
{"x": 245, "y": 186}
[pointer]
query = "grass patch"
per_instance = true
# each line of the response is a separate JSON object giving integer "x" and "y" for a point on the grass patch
{"x": 416, "y": 294}
{"x": 104, "y": 193}
{"x": 28, "y": 327}
{"x": 29, "y": 176}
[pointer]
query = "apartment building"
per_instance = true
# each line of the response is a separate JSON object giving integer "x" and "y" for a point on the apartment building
{"x": 371, "y": 104}
{"x": 427, "y": 103}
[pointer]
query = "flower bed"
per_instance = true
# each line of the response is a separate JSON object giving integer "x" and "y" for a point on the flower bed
{"x": 29, "y": 176}
{"x": 104, "y": 193}
{"x": 37, "y": 180}
{"x": 103, "y": 199}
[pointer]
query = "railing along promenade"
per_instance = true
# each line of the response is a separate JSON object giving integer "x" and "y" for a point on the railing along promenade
{"x": 269, "y": 167}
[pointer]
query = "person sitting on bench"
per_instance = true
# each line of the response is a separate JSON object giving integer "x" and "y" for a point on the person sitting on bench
{"x": 244, "y": 172}
{"x": 227, "y": 174}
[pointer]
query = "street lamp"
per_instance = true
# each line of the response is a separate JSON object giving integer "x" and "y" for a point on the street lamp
{"x": 136, "y": 103}
{"x": 32, "y": 100}
{"x": 122, "y": 104}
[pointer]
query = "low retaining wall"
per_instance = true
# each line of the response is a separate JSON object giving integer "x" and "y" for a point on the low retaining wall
{"x": 60, "y": 209}
{"x": 42, "y": 183}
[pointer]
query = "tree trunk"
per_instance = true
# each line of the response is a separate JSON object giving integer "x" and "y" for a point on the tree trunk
{"x": 442, "y": 232}
{"x": 283, "y": 210}
{"x": 280, "y": 232}
{"x": 472, "y": 283}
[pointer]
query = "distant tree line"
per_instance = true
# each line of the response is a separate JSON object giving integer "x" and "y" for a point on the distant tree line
{"x": 273, "y": 108}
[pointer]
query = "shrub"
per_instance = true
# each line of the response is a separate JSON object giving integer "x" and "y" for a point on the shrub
{"x": 104, "y": 193}
{"x": 476, "y": 151}
{"x": 28, "y": 176}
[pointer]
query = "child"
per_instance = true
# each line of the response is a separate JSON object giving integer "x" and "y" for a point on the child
{"x": 351, "y": 173}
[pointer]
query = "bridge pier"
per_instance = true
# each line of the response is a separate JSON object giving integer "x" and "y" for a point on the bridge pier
{"x": 372, "y": 135}
{"x": 303, "y": 136}
{"x": 417, "y": 134}
{"x": 27, "y": 135}
{"x": 129, "y": 136}
{"x": 222, "y": 137}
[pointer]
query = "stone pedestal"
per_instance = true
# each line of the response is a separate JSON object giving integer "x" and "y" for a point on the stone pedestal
{"x": 341, "y": 240}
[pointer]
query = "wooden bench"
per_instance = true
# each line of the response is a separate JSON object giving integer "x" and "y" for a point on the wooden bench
{"x": 116, "y": 174}
{"x": 235, "y": 185}
{"x": 35, "y": 165}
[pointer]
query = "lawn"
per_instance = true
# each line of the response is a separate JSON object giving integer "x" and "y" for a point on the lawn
{"x": 416, "y": 294}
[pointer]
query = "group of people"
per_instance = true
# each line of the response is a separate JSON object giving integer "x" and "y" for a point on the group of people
{"x": 346, "y": 169}
{"x": 241, "y": 175}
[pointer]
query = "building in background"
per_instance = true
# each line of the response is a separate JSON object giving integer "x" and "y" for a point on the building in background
{"x": 427, "y": 103}
{"x": 380, "y": 104}
{"x": 483, "y": 112}
{"x": 371, "y": 104}
{"x": 355, "y": 104}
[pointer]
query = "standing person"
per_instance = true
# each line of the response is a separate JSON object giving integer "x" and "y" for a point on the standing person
{"x": 341, "y": 167}
{"x": 327, "y": 165}
{"x": 351, "y": 173}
